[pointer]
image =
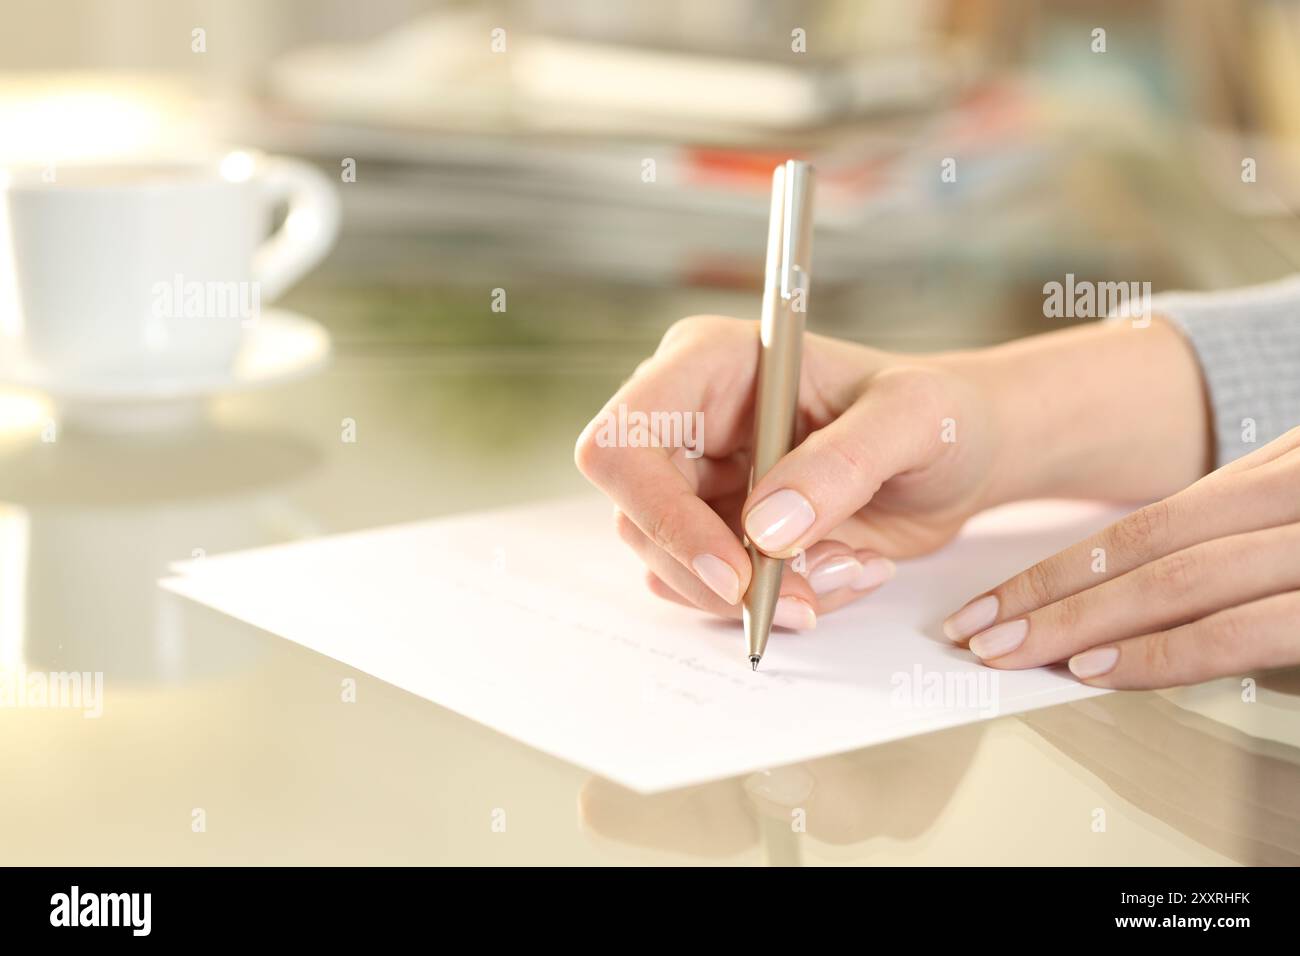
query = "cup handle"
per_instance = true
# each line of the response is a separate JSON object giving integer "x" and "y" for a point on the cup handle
{"x": 309, "y": 228}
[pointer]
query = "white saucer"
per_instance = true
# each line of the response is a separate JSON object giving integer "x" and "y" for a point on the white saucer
{"x": 279, "y": 347}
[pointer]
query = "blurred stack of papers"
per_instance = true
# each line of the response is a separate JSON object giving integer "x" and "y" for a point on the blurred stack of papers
{"x": 564, "y": 155}
{"x": 458, "y": 69}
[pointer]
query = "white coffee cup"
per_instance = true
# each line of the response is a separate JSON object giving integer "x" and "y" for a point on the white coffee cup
{"x": 149, "y": 271}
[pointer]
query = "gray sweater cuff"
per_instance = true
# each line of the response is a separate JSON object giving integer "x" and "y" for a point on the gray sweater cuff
{"x": 1248, "y": 343}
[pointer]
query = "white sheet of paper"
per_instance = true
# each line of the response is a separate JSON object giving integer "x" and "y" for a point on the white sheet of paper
{"x": 536, "y": 622}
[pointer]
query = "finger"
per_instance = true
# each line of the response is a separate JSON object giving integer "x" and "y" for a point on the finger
{"x": 827, "y": 563}
{"x": 688, "y": 582}
{"x": 1180, "y": 587}
{"x": 877, "y": 572}
{"x": 697, "y": 364}
{"x": 831, "y": 566}
{"x": 728, "y": 508}
{"x": 826, "y": 603}
{"x": 653, "y": 494}
{"x": 792, "y": 613}
{"x": 1283, "y": 445}
{"x": 842, "y": 575}
{"x": 838, "y": 469}
{"x": 856, "y": 534}
{"x": 712, "y": 478}
{"x": 1216, "y": 506}
{"x": 1253, "y": 636}
{"x": 796, "y": 605}
{"x": 706, "y": 364}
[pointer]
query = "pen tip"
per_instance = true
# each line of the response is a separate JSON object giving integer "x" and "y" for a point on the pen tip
{"x": 753, "y": 662}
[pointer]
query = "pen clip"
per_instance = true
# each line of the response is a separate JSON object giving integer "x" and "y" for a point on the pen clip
{"x": 796, "y": 238}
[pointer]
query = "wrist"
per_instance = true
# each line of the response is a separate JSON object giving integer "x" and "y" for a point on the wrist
{"x": 1008, "y": 419}
{"x": 1104, "y": 410}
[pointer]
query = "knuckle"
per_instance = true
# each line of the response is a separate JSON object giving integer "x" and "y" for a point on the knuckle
{"x": 922, "y": 389}
{"x": 851, "y": 459}
{"x": 1178, "y": 575}
{"x": 1068, "y": 613}
{"x": 681, "y": 329}
{"x": 915, "y": 381}
{"x": 1142, "y": 532}
{"x": 693, "y": 328}
{"x": 1227, "y": 634}
{"x": 665, "y": 531}
{"x": 926, "y": 394}
{"x": 1035, "y": 587}
{"x": 1157, "y": 654}
{"x": 641, "y": 367}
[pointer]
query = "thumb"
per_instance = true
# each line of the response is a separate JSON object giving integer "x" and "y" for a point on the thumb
{"x": 837, "y": 469}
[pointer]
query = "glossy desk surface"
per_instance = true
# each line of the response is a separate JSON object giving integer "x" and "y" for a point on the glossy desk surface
{"x": 457, "y": 408}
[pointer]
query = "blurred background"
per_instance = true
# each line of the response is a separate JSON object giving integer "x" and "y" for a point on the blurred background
{"x": 606, "y": 165}
{"x": 515, "y": 158}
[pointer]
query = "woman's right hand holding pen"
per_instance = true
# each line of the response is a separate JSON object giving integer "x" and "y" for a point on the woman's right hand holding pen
{"x": 892, "y": 452}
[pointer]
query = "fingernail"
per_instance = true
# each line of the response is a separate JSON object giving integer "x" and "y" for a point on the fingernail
{"x": 1094, "y": 663}
{"x": 1003, "y": 639}
{"x": 787, "y": 787}
{"x": 719, "y": 576}
{"x": 792, "y": 612}
{"x": 834, "y": 573}
{"x": 874, "y": 572}
{"x": 972, "y": 619}
{"x": 778, "y": 520}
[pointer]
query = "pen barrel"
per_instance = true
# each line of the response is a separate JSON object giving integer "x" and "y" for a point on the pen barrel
{"x": 777, "y": 400}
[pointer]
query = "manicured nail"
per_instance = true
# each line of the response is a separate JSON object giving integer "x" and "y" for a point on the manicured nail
{"x": 778, "y": 520}
{"x": 1094, "y": 663}
{"x": 999, "y": 640}
{"x": 787, "y": 787}
{"x": 972, "y": 619}
{"x": 719, "y": 576}
{"x": 874, "y": 572}
{"x": 792, "y": 612}
{"x": 834, "y": 573}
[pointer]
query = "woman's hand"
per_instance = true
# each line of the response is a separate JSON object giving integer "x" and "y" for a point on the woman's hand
{"x": 893, "y": 454}
{"x": 1202, "y": 584}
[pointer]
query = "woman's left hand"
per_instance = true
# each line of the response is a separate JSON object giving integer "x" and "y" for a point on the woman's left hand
{"x": 1203, "y": 584}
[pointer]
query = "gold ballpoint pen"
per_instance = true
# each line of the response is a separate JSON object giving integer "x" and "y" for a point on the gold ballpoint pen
{"x": 776, "y": 394}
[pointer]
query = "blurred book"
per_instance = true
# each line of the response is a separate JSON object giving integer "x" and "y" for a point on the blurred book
{"x": 634, "y": 163}
{"x": 454, "y": 69}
